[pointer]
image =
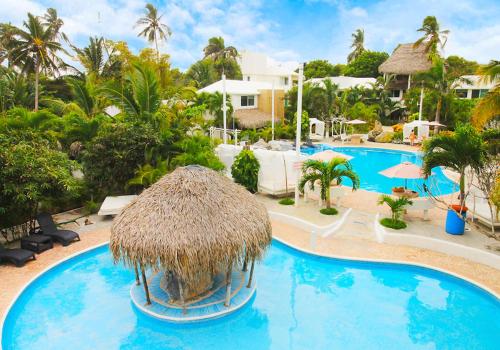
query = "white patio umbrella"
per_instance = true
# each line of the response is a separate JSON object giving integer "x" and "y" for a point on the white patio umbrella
{"x": 405, "y": 170}
{"x": 328, "y": 155}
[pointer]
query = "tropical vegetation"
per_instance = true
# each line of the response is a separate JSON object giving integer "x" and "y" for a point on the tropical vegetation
{"x": 397, "y": 207}
{"x": 325, "y": 174}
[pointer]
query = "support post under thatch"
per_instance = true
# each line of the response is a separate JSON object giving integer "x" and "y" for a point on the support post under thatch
{"x": 245, "y": 263}
{"x": 137, "y": 280}
{"x": 181, "y": 297}
{"x": 251, "y": 274}
{"x": 228, "y": 285}
{"x": 145, "y": 282}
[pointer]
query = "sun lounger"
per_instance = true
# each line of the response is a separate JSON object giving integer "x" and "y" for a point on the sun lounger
{"x": 17, "y": 256}
{"x": 50, "y": 229}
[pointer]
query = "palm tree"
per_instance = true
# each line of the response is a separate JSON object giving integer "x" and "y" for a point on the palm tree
{"x": 202, "y": 73}
{"x": 457, "y": 151}
{"x": 153, "y": 29}
{"x": 326, "y": 173}
{"x": 434, "y": 38}
{"x": 139, "y": 95}
{"x": 331, "y": 91}
{"x": 396, "y": 205}
{"x": 98, "y": 59}
{"x": 222, "y": 55}
{"x": 358, "y": 42}
{"x": 52, "y": 20}
{"x": 35, "y": 50}
{"x": 7, "y": 35}
{"x": 214, "y": 105}
{"x": 438, "y": 80}
{"x": 489, "y": 106}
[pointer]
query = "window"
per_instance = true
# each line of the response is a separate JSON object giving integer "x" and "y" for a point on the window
{"x": 247, "y": 101}
{"x": 461, "y": 93}
{"x": 476, "y": 93}
{"x": 284, "y": 80}
{"x": 483, "y": 92}
{"x": 248, "y": 78}
{"x": 395, "y": 93}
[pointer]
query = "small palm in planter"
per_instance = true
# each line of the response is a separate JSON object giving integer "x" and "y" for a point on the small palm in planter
{"x": 458, "y": 151}
{"x": 326, "y": 173}
{"x": 397, "y": 206}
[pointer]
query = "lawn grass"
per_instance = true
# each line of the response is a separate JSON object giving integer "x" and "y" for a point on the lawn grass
{"x": 286, "y": 201}
{"x": 329, "y": 211}
{"x": 394, "y": 224}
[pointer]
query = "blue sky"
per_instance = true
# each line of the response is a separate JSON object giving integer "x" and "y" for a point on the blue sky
{"x": 286, "y": 30}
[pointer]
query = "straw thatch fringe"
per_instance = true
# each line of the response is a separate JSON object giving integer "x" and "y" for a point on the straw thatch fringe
{"x": 406, "y": 60}
{"x": 192, "y": 222}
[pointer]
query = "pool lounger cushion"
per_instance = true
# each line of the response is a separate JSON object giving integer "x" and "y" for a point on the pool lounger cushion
{"x": 16, "y": 256}
{"x": 49, "y": 228}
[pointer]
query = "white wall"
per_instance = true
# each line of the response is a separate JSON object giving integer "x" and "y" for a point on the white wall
{"x": 236, "y": 102}
{"x": 276, "y": 79}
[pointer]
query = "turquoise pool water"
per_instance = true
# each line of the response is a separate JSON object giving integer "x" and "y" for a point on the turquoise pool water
{"x": 302, "y": 302}
{"x": 368, "y": 162}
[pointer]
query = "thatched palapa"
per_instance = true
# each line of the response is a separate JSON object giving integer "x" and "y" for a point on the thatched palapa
{"x": 406, "y": 60}
{"x": 192, "y": 223}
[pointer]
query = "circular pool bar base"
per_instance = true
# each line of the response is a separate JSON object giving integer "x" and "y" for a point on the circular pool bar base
{"x": 206, "y": 307}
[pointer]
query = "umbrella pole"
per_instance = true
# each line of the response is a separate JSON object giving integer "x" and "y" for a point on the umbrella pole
{"x": 406, "y": 184}
{"x": 145, "y": 282}
{"x": 228, "y": 286}
{"x": 137, "y": 280}
{"x": 251, "y": 274}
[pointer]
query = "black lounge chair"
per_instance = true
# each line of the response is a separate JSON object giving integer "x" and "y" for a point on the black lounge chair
{"x": 16, "y": 256}
{"x": 49, "y": 228}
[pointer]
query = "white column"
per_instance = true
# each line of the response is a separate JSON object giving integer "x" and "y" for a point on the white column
{"x": 299, "y": 128}
{"x": 421, "y": 103}
{"x": 409, "y": 82}
{"x": 224, "y": 107}
{"x": 272, "y": 112}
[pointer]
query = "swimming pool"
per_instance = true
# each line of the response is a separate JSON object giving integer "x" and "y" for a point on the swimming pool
{"x": 302, "y": 302}
{"x": 368, "y": 162}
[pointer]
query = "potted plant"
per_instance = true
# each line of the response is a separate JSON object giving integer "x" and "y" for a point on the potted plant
{"x": 457, "y": 151}
{"x": 325, "y": 173}
{"x": 397, "y": 206}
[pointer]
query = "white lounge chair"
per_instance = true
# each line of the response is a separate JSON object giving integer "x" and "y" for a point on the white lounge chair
{"x": 113, "y": 205}
{"x": 344, "y": 137}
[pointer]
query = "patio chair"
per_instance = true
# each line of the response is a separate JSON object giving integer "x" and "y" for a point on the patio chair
{"x": 17, "y": 256}
{"x": 344, "y": 138}
{"x": 50, "y": 229}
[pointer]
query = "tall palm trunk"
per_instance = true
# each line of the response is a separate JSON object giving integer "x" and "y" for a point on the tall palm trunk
{"x": 438, "y": 112}
{"x": 37, "y": 76}
{"x": 327, "y": 195}
{"x": 157, "y": 51}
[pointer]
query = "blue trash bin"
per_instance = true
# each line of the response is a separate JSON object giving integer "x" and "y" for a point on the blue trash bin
{"x": 455, "y": 223}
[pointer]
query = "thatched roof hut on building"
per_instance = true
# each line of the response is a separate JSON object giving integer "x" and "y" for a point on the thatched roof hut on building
{"x": 405, "y": 61}
{"x": 193, "y": 224}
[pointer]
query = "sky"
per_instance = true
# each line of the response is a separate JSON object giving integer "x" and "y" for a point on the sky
{"x": 288, "y": 31}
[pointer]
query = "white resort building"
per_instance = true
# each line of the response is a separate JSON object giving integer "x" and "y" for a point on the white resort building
{"x": 259, "y": 67}
{"x": 252, "y": 101}
{"x": 473, "y": 86}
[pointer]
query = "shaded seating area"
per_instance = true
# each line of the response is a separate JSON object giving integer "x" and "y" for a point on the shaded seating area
{"x": 198, "y": 247}
{"x": 49, "y": 228}
{"x": 19, "y": 257}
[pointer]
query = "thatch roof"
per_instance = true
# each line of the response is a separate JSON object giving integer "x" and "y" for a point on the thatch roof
{"x": 406, "y": 60}
{"x": 193, "y": 221}
{"x": 252, "y": 118}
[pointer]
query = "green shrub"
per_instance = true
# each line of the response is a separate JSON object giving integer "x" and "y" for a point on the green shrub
{"x": 286, "y": 201}
{"x": 329, "y": 211}
{"x": 245, "y": 170}
{"x": 385, "y": 137}
{"x": 91, "y": 207}
{"x": 111, "y": 159}
{"x": 394, "y": 224}
{"x": 398, "y": 137}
